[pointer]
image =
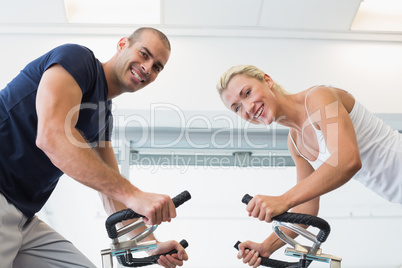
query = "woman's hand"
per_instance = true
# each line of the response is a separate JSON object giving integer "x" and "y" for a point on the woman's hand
{"x": 266, "y": 207}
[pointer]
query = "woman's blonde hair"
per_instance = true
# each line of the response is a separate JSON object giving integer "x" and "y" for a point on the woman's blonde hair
{"x": 248, "y": 70}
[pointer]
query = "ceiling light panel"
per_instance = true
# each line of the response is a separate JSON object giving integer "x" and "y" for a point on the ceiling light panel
{"x": 379, "y": 15}
{"x": 113, "y": 12}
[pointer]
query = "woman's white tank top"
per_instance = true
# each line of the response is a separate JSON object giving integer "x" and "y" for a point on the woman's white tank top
{"x": 380, "y": 152}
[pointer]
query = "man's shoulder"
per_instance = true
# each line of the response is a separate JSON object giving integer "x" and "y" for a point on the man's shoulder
{"x": 76, "y": 59}
{"x": 73, "y": 49}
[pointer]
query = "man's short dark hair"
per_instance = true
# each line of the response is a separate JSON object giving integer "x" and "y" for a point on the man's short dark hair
{"x": 136, "y": 35}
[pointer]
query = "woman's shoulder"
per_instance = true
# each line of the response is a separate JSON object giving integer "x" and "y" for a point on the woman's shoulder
{"x": 325, "y": 90}
{"x": 321, "y": 96}
{"x": 319, "y": 90}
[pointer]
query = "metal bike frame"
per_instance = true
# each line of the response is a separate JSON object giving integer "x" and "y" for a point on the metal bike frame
{"x": 313, "y": 253}
{"x": 127, "y": 247}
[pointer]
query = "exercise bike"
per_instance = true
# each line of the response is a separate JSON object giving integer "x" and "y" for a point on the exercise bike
{"x": 306, "y": 254}
{"x": 123, "y": 250}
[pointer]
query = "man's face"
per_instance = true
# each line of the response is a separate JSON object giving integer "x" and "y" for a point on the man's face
{"x": 139, "y": 64}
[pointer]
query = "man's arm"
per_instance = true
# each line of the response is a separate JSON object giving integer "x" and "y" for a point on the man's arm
{"x": 110, "y": 205}
{"x": 107, "y": 155}
{"x": 58, "y": 95}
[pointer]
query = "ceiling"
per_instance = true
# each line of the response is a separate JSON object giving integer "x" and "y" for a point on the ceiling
{"x": 200, "y": 16}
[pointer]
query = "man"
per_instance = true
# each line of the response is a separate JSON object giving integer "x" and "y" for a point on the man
{"x": 55, "y": 119}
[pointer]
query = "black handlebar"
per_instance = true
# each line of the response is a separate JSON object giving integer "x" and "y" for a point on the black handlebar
{"x": 296, "y": 218}
{"x": 273, "y": 263}
{"x": 299, "y": 218}
{"x": 138, "y": 262}
{"x": 127, "y": 214}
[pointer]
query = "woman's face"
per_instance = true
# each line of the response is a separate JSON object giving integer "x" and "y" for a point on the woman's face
{"x": 251, "y": 99}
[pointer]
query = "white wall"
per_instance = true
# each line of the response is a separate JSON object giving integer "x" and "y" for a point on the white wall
{"x": 366, "y": 229}
{"x": 369, "y": 70}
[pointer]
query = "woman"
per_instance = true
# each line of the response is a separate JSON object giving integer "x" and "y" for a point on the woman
{"x": 332, "y": 138}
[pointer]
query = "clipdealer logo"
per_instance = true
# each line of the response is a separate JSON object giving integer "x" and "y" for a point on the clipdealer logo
{"x": 204, "y": 161}
{"x": 146, "y": 136}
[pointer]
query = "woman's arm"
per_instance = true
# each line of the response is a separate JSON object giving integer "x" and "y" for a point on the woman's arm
{"x": 334, "y": 121}
{"x": 272, "y": 243}
{"x": 329, "y": 115}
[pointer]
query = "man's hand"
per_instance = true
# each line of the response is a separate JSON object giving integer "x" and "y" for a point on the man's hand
{"x": 250, "y": 252}
{"x": 156, "y": 208}
{"x": 170, "y": 261}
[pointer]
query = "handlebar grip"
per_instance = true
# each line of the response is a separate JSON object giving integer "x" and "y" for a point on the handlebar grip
{"x": 179, "y": 199}
{"x": 246, "y": 198}
{"x": 127, "y": 214}
{"x": 300, "y": 218}
{"x": 138, "y": 262}
{"x": 272, "y": 262}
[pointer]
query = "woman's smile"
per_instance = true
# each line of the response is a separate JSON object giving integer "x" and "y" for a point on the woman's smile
{"x": 259, "y": 112}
